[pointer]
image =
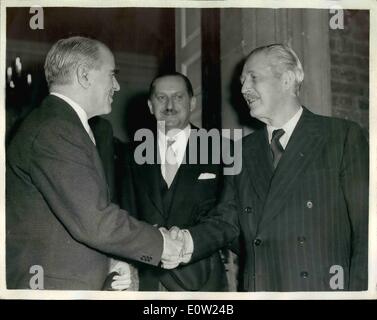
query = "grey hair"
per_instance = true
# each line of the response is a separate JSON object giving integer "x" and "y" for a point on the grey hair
{"x": 283, "y": 58}
{"x": 66, "y": 54}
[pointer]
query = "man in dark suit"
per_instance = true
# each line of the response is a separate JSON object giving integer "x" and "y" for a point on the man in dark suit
{"x": 59, "y": 217}
{"x": 103, "y": 136}
{"x": 178, "y": 196}
{"x": 301, "y": 200}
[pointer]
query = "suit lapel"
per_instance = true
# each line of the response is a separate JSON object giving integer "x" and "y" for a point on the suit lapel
{"x": 150, "y": 179}
{"x": 258, "y": 163}
{"x": 305, "y": 143}
{"x": 186, "y": 177}
{"x": 66, "y": 112}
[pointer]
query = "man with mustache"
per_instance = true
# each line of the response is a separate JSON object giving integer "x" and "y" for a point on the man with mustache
{"x": 175, "y": 191}
{"x": 301, "y": 200}
{"x": 59, "y": 217}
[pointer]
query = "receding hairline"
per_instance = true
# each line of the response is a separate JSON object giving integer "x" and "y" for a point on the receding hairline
{"x": 67, "y": 53}
{"x": 281, "y": 58}
{"x": 186, "y": 82}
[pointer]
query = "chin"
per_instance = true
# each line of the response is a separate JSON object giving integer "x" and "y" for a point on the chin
{"x": 171, "y": 124}
{"x": 107, "y": 110}
{"x": 170, "y": 127}
{"x": 252, "y": 112}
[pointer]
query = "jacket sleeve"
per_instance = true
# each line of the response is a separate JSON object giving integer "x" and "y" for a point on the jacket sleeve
{"x": 354, "y": 178}
{"x": 63, "y": 169}
{"x": 220, "y": 227}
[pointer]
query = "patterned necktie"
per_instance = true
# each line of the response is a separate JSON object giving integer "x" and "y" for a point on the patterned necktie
{"x": 276, "y": 148}
{"x": 171, "y": 164}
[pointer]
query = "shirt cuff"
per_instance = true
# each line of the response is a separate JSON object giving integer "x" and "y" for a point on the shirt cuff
{"x": 164, "y": 238}
{"x": 189, "y": 246}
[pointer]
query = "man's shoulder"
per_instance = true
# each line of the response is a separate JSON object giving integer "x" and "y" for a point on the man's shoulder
{"x": 333, "y": 125}
{"x": 42, "y": 117}
{"x": 52, "y": 110}
{"x": 255, "y": 136}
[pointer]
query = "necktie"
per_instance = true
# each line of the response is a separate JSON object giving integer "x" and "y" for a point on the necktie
{"x": 171, "y": 165}
{"x": 276, "y": 148}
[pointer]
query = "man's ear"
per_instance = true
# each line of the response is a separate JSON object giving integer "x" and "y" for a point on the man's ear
{"x": 82, "y": 75}
{"x": 192, "y": 103}
{"x": 150, "y": 106}
{"x": 288, "y": 79}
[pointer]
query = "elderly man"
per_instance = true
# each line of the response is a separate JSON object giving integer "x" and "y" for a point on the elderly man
{"x": 301, "y": 200}
{"x": 175, "y": 191}
{"x": 60, "y": 222}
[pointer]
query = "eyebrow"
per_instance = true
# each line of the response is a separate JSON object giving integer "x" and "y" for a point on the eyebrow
{"x": 251, "y": 72}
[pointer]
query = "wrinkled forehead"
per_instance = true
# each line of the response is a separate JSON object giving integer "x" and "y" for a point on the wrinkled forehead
{"x": 258, "y": 63}
{"x": 106, "y": 57}
{"x": 169, "y": 84}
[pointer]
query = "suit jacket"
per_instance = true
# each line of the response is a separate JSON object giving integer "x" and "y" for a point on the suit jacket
{"x": 307, "y": 216}
{"x": 58, "y": 210}
{"x": 191, "y": 199}
{"x": 103, "y": 135}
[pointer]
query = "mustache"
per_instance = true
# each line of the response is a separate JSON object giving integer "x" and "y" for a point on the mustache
{"x": 169, "y": 112}
{"x": 250, "y": 96}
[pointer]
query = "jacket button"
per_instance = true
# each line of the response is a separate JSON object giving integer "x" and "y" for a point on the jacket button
{"x": 304, "y": 274}
{"x": 257, "y": 242}
{"x": 248, "y": 210}
{"x": 309, "y": 204}
{"x": 301, "y": 240}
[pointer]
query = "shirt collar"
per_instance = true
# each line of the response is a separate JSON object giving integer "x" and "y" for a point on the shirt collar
{"x": 288, "y": 128}
{"x": 75, "y": 106}
{"x": 179, "y": 146}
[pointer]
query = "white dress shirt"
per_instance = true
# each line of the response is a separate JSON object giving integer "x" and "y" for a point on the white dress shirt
{"x": 80, "y": 113}
{"x": 288, "y": 128}
{"x": 179, "y": 146}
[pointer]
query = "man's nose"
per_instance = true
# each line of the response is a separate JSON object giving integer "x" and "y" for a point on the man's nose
{"x": 169, "y": 105}
{"x": 116, "y": 85}
{"x": 246, "y": 86}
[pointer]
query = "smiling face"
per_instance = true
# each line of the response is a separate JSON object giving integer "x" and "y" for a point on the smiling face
{"x": 103, "y": 84}
{"x": 170, "y": 102}
{"x": 261, "y": 88}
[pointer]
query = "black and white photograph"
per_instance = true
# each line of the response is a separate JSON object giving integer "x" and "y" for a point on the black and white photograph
{"x": 188, "y": 149}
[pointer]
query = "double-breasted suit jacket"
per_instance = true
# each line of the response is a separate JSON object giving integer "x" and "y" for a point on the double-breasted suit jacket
{"x": 58, "y": 210}
{"x": 305, "y": 222}
{"x": 188, "y": 199}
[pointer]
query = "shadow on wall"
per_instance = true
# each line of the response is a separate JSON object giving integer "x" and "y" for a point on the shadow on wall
{"x": 238, "y": 102}
{"x": 137, "y": 115}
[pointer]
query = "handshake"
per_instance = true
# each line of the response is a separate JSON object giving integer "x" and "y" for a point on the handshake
{"x": 178, "y": 247}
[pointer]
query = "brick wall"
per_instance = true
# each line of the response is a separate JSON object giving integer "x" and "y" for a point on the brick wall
{"x": 349, "y": 48}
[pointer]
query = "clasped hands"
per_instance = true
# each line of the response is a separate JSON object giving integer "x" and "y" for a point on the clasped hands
{"x": 178, "y": 247}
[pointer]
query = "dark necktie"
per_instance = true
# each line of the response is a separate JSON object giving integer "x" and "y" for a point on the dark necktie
{"x": 276, "y": 148}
